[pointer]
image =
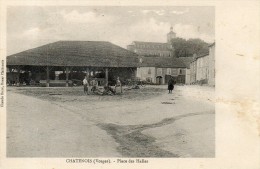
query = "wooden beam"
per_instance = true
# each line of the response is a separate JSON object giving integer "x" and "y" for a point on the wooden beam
{"x": 94, "y": 72}
{"x": 47, "y": 76}
{"x": 106, "y": 76}
{"x": 135, "y": 72}
{"x": 88, "y": 72}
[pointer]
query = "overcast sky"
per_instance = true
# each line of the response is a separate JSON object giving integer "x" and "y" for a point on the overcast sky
{"x": 29, "y": 27}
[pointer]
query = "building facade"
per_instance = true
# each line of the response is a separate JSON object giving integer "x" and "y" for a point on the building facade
{"x": 202, "y": 68}
{"x": 154, "y": 48}
{"x": 212, "y": 72}
{"x": 186, "y": 61}
{"x": 157, "y": 70}
{"x": 193, "y": 68}
{"x": 161, "y": 75}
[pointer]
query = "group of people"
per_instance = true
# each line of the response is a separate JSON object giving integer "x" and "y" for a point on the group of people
{"x": 107, "y": 90}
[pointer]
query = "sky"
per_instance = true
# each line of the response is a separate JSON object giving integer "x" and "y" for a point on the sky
{"x": 32, "y": 26}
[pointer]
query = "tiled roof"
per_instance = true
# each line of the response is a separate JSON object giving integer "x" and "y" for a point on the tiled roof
{"x": 202, "y": 55}
{"x": 76, "y": 53}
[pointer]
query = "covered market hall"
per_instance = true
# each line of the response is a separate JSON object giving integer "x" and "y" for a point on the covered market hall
{"x": 66, "y": 63}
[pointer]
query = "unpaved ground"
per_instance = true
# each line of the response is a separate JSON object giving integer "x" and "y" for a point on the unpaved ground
{"x": 139, "y": 123}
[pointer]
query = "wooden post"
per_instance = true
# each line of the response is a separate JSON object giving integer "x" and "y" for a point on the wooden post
{"x": 88, "y": 73}
{"x": 10, "y": 75}
{"x": 67, "y": 76}
{"x": 121, "y": 88}
{"x": 106, "y": 76}
{"x": 48, "y": 76}
{"x": 18, "y": 77}
{"x": 94, "y": 72}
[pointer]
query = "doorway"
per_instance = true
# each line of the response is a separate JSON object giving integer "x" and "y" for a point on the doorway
{"x": 159, "y": 80}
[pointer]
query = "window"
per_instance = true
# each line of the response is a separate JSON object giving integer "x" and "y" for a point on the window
{"x": 159, "y": 71}
{"x": 174, "y": 72}
{"x": 168, "y": 71}
{"x": 164, "y": 71}
{"x": 184, "y": 71}
{"x": 149, "y": 71}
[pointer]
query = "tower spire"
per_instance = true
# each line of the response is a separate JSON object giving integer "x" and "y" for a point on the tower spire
{"x": 171, "y": 35}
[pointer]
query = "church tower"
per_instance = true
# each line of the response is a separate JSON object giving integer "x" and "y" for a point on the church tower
{"x": 171, "y": 35}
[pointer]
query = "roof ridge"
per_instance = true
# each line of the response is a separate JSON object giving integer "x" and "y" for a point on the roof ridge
{"x": 82, "y": 41}
{"x": 150, "y": 42}
{"x": 203, "y": 54}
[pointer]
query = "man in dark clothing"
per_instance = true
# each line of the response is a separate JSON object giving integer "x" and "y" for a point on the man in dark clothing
{"x": 170, "y": 85}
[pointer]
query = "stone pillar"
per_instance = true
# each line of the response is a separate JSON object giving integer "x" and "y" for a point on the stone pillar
{"x": 9, "y": 80}
{"x": 135, "y": 73}
{"x": 18, "y": 78}
{"x": 67, "y": 76}
{"x": 48, "y": 76}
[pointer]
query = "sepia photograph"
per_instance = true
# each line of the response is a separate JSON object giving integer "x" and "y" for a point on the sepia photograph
{"x": 129, "y": 84}
{"x": 110, "y": 81}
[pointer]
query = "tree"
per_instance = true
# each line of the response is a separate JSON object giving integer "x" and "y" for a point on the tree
{"x": 186, "y": 48}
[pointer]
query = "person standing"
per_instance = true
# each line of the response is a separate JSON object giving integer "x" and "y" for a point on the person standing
{"x": 85, "y": 84}
{"x": 170, "y": 85}
{"x": 118, "y": 84}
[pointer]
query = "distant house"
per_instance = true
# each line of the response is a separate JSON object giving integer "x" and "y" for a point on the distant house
{"x": 63, "y": 58}
{"x": 154, "y": 48}
{"x": 202, "y": 68}
{"x": 157, "y": 62}
{"x": 158, "y": 70}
